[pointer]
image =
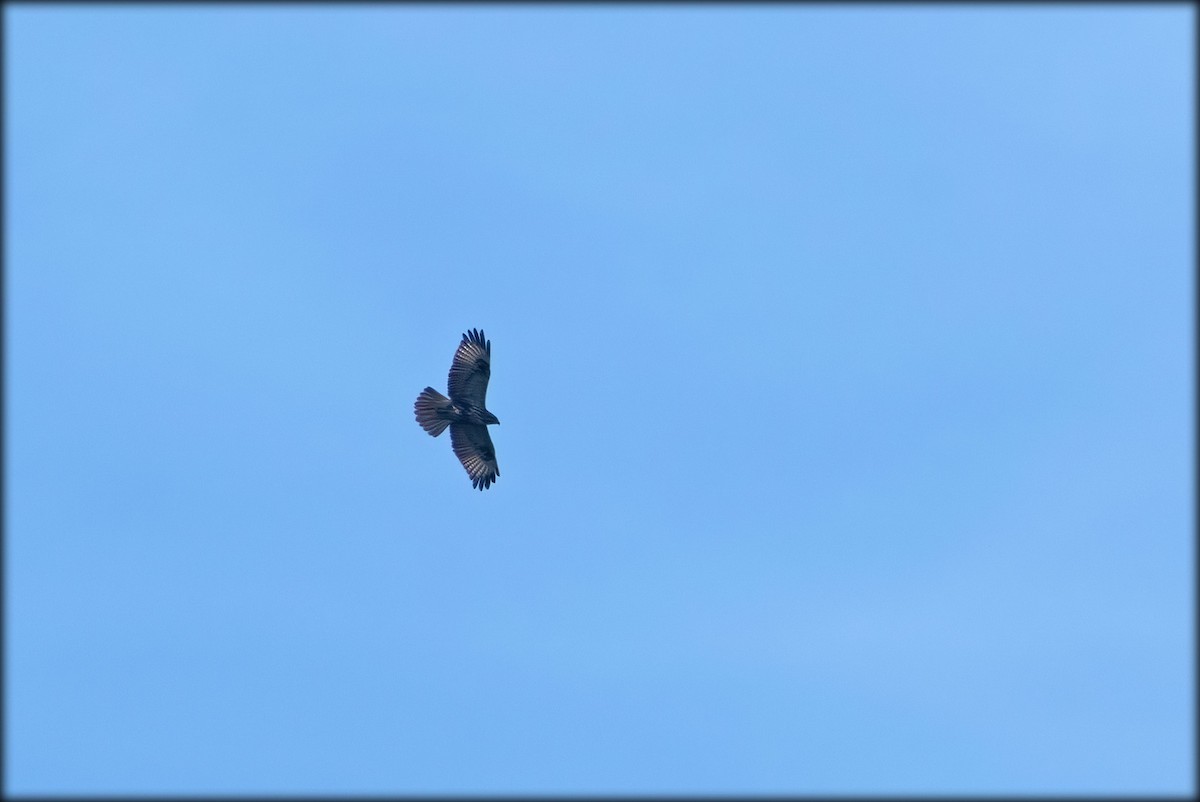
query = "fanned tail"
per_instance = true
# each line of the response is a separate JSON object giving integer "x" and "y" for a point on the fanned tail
{"x": 429, "y": 402}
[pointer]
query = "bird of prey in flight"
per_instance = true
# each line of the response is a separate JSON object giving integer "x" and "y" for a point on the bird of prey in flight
{"x": 464, "y": 411}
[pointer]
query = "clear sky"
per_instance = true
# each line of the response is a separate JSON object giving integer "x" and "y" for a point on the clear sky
{"x": 843, "y": 358}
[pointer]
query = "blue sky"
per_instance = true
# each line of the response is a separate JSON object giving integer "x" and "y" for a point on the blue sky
{"x": 843, "y": 356}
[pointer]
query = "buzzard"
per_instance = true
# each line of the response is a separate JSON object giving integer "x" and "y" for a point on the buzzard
{"x": 464, "y": 410}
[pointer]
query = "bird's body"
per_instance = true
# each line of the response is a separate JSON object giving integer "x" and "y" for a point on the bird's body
{"x": 464, "y": 411}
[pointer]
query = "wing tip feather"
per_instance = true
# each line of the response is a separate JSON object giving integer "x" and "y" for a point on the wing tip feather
{"x": 477, "y": 337}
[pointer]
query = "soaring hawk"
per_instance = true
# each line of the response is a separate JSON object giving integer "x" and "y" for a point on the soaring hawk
{"x": 464, "y": 410}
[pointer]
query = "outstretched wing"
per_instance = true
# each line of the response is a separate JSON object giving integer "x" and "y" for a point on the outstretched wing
{"x": 473, "y": 447}
{"x": 471, "y": 369}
